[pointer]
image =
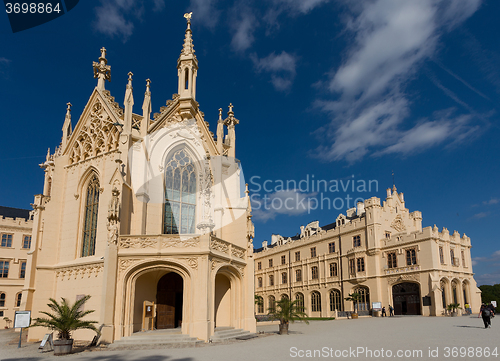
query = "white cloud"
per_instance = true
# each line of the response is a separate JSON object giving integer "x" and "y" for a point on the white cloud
{"x": 392, "y": 39}
{"x": 479, "y": 215}
{"x": 282, "y": 68}
{"x": 492, "y": 201}
{"x": 290, "y": 202}
{"x": 116, "y": 17}
{"x": 204, "y": 12}
{"x": 243, "y": 28}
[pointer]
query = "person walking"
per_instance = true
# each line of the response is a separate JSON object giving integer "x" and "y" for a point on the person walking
{"x": 391, "y": 311}
{"x": 384, "y": 314}
{"x": 486, "y": 314}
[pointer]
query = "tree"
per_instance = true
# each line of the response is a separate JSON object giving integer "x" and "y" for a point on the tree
{"x": 355, "y": 298}
{"x": 491, "y": 293}
{"x": 287, "y": 311}
{"x": 66, "y": 318}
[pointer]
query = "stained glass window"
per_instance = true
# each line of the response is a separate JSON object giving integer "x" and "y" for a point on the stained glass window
{"x": 180, "y": 194}
{"x": 90, "y": 222}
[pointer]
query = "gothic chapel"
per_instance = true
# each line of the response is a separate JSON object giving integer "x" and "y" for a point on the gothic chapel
{"x": 145, "y": 215}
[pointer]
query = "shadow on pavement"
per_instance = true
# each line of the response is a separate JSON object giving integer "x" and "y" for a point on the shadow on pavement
{"x": 470, "y": 326}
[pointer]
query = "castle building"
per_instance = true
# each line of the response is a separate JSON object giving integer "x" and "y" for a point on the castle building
{"x": 380, "y": 252}
{"x": 146, "y": 215}
{"x": 15, "y": 243}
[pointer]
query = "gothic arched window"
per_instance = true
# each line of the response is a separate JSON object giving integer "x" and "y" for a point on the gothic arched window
{"x": 299, "y": 297}
{"x": 180, "y": 194}
{"x": 90, "y": 220}
{"x": 335, "y": 300}
{"x": 315, "y": 301}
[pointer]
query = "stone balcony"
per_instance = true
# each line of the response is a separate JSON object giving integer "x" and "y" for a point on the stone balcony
{"x": 399, "y": 270}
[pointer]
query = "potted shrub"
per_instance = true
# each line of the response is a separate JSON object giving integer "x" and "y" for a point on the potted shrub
{"x": 452, "y": 308}
{"x": 355, "y": 298}
{"x": 287, "y": 311}
{"x": 7, "y": 321}
{"x": 65, "y": 319}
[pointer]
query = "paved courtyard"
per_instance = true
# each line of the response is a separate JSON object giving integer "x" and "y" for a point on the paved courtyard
{"x": 422, "y": 338}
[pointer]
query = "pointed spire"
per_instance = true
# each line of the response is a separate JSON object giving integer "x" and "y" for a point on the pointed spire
{"x": 146, "y": 110}
{"x": 220, "y": 132}
{"x": 66, "y": 129}
{"x": 187, "y": 65}
{"x": 47, "y": 157}
{"x": 128, "y": 102}
{"x": 102, "y": 71}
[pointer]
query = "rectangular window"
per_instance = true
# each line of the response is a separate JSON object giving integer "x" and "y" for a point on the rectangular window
{"x": 314, "y": 272}
{"x": 452, "y": 256}
{"x": 391, "y": 260}
{"x": 333, "y": 269}
{"x": 441, "y": 255}
{"x": 259, "y": 282}
{"x": 361, "y": 264}
{"x": 284, "y": 278}
{"x": 297, "y": 256}
{"x": 22, "y": 270}
{"x": 6, "y": 240}
{"x": 352, "y": 267}
{"x": 388, "y": 235}
{"x": 356, "y": 241}
{"x": 331, "y": 247}
{"x": 463, "y": 259}
{"x": 271, "y": 280}
{"x": 411, "y": 257}
{"x": 1, "y": 313}
{"x": 4, "y": 269}
{"x": 313, "y": 251}
{"x": 283, "y": 259}
{"x": 298, "y": 275}
{"x": 270, "y": 263}
{"x": 26, "y": 242}
{"x": 2, "y": 299}
{"x": 259, "y": 265}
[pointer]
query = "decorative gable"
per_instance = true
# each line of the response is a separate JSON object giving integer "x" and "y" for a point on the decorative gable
{"x": 96, "y": 136}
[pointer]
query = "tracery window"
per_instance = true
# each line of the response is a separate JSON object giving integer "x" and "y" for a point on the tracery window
{"x": 364, "y": 301}
{"x": 391, "y": 260}
{"x": 361, "y": 264}
{"x": 180, "y": 194}
{"x": 90, "y": 220}
{"x": 335, "y": 300}
{"x": 411, "y": 257}
{"x": 441, "y": 255}
{"x": 315, "y": 302}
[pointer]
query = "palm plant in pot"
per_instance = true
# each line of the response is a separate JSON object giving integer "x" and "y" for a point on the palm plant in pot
{"x": 452, "y": 308}
{"x": 7, "y": 322}
{"x": 287, "y": 311}
{"x": 65, "y": 319}
{"x": 355, "y": 298}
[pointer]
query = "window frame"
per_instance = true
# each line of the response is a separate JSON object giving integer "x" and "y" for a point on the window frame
{"x": 271, "y": 280}
{"x": 331, "y": 247}
{"x": 333, "y": 269}
{"x": 4, "y": 271}
{"x": 314, "y": 273}
{"x": 411, "y": 257}
{"x": 18, "y": 299}
{"x": 298, "y": 275}
{"x": 315, "y": 301}
{"x": 392, "y": 259}
{"x": 270, "y": 262}
{"x": 313, "y": 252}
{"x": 284, "y": 278}
{"x": 24, "y": 241}
{"x": 283, "y": 259}
{"x": 22, "y": 271}
{"x": 356, "y": 241}
{"x": 89, "y": 224}
{"x": 7, "y": 240}
{"x": 441, "y": 255}
{"x": 3, "y": 299}
{"x": 259, "y": 266}
{"x": 297, "y": 256}
{"x": 360, "y": 264}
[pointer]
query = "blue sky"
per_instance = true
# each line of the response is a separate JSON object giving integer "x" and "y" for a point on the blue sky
{"x": 338, "y": 90}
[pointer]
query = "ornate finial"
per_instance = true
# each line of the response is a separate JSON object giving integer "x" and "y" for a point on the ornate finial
{"x": 230, "y": 109}
{"x": 102, "y": 71}
{"x": 246, "y": 189}
{"x": 188, "y": 16}
{"x": 69, "y": 107}
{"x": 188, "y": 48}
{"x": 129, "y": 85}
{"x": 148, "y": 82}
{"x": 220, "y": 114}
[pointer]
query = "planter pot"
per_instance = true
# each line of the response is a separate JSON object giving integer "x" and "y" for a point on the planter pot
{"x": 284, "y": 329}
{"x": 454, "y": 314}
{"x": 63, "y": 347}
{"x": 354, "y": 316}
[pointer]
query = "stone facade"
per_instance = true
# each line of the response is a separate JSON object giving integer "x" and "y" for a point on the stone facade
{"x": 140, "y": 211}
{"x": 15, "y": 237}
{"x": 379, "y": 251}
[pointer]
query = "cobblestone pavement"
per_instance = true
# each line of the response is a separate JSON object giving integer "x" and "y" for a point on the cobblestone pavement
{"x": 408, "y": 338}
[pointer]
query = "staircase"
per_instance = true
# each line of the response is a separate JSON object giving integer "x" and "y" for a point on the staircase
{"x": 222, "y": 334}
{"x": 170, "y": 337}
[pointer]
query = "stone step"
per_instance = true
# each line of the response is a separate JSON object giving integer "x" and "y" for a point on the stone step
{"x": 230, "y": 334}
{"x": 155, "y": 338}
{"x": 227, "y": 332}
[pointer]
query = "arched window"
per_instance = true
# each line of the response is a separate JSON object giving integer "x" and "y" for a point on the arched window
{"x": 180, "y": 194}
{"x": 19, "y": 296}
{"x": 2, "y": 299}
{"x": 364, "y": 301}
{"x": 186, "y": 78}
{"x": 299, "y": 297}
{"x": 335, "y": 300}
{"x": 260, "y": 304}
{"x": 454, "y": 289}
{"x": 443, "y": 293}
{"x": 315, "y": 302}
{"x": 272, "y": 304}
{"x": 90, "y": 220}
{"x": 284, "y": 296}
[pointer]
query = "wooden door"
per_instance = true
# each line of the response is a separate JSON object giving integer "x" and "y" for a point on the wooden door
{"x": 169, "y": 301}
{"x": 165, "y": 312}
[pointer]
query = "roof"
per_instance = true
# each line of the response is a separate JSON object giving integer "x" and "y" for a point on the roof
{"x": 8, "y": 212}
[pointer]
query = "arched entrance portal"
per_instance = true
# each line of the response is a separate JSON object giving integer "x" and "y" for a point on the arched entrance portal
{"x": 222, "y": 301}
{"x": 406, "y": 297}
{"x": 169, "y": 301}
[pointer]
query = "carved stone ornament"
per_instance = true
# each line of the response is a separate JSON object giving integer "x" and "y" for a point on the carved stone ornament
{"x": 206, "y": 183}
{"x": 403, "y": 278}
{"x": 79, "y": 272}
{"x": 126, "y": 263}
{"x": 140, "y": 242}
{"x": 113, "y": 217}
{"x": 398, "y": 224}
{"x": 192, "y": 242}
{"x": 192, "y": 262}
